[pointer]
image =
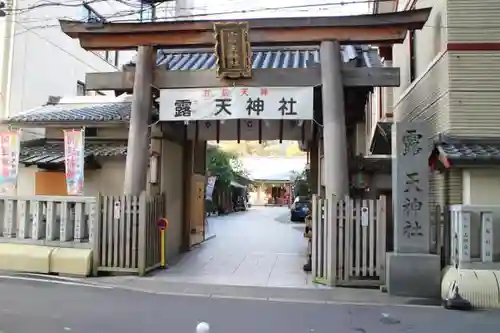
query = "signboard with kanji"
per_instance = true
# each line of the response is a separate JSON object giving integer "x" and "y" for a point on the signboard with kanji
{"x": 280, "y": 103}
{"x": 232, "y": 49}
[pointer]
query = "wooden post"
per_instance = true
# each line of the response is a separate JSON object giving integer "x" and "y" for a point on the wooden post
{"x": 136, "y": 167}
{"x": 188, "y": 164}
{"x": 141, "y": 230}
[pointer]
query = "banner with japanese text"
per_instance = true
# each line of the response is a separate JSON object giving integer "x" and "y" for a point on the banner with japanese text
{"x": 74, "y": 160}
{"x": 209, "y": 191}
{"x": 10, "y": 146}
{"x": 237, "y": 103}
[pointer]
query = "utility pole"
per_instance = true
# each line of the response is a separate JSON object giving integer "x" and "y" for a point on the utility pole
{"x": 136, "y": 167}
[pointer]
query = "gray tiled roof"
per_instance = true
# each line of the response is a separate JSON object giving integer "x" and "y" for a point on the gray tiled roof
{"x": 269, "y": 58}
{"x": 119, "y": 111}
{"x": 470, "y": 151}
{"x": 41, "y": 152}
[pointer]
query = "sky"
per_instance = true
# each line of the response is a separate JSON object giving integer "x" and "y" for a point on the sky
{"x": 273, "y": 167}
{"x": 228, "y": 9}
{"x": 231, "y": 9}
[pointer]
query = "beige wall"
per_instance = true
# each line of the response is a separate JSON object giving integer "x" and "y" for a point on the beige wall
{"x": 473, "y": 21}
{"x": 172, "y": 185}
{"x": 108, "y": 180}
{"x": 102, "y": 132}
{"x": 481, "y": 187}
{"x": 474, "y": 76}
{"x": 474, "y": 79}
{"x": 456, "y": 91}
{"x": 427, "y": 97}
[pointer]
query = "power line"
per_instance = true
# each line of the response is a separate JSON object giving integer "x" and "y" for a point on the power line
{"x": 60, "y": 48}
{"x": 134, "y": 5}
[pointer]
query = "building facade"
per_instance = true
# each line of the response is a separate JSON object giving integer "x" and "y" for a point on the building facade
{"x": 37, "y": 60}
{"x": 449, "y": 79}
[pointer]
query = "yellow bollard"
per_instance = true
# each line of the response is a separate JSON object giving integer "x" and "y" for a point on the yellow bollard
{"x": 162, "y": 226}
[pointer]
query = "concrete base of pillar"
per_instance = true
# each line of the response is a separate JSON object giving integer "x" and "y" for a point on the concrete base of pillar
{"x": 413, "y": 275}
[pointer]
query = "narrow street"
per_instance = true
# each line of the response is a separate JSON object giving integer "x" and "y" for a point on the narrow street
{"x": 41, "y": 307}
{"x": 258, "y": 247}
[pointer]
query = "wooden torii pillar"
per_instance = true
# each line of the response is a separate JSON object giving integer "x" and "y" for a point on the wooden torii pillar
{"x": 329, "y": 32}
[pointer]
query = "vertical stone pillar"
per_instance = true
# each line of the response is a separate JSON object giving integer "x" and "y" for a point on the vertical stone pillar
{"x": 411, "y": 270}
{"x": 136, "y": 166}
{"x": 334, "y": 128}
{"x": 334, "y": 144}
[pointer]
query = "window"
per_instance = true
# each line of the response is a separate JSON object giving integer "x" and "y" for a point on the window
{"x": 80, "y": 89}
{"x": 413, "y": 55}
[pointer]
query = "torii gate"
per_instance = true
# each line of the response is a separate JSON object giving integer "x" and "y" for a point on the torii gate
{"x": 329, "y": 33}
{"x": 382, "y": 30}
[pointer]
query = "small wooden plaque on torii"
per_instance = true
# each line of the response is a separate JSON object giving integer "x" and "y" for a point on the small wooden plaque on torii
{"x": 232, "y": 49}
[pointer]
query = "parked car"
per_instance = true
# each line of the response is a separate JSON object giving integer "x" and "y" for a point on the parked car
{"x": 299, "y": 209}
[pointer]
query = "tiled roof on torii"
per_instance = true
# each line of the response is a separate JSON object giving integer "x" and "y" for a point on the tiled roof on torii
{"x": 117, "y": 109}
{"x": 267, "y": 58}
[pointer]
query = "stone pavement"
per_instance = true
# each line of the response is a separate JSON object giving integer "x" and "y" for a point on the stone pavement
{"x": 259, "y": 247}
{"x": 256, "y": 254}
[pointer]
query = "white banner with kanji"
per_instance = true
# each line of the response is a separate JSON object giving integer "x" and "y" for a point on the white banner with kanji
{"x": 74, "y": 160}
{"x": 236, "y": 103}
{"x": 10, "y": 146}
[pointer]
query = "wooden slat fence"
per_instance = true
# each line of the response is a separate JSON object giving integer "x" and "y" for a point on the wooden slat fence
{"x": 349, "y": 241}
{"x": 126, "y": 234}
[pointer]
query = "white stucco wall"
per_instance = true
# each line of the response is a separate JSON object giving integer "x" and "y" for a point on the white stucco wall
{"x": 481, "y": 187}
{"x": 40, "y": 60}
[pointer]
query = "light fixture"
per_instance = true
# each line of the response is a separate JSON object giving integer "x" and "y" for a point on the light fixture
{"x": 154, "y": 168}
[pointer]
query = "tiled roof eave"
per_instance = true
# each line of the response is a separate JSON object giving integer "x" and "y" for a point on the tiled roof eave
{"x": 470, "y": 152}
{"x": 52, "y": 152}
{"x": 58, "y": 123}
